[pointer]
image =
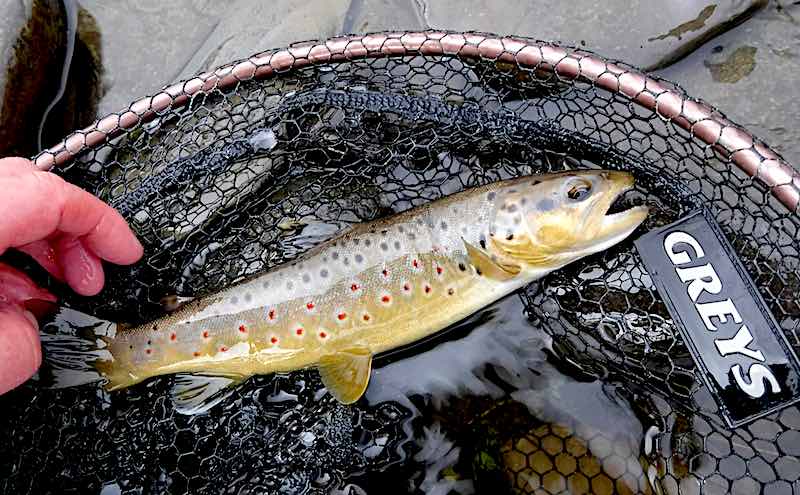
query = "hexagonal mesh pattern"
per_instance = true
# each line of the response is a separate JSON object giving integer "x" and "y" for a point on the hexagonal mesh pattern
{"x": 222, "y": 176}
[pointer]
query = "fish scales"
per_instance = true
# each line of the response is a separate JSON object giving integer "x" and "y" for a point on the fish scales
{"x": 378, "y": 286}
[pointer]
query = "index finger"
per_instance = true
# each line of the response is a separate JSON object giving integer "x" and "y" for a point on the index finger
{"x": 100, "y": 227}
{"x": 38, "y": 204}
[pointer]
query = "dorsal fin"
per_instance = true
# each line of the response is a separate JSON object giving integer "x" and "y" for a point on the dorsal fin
{"x": 488, "y": 267}
{"x": 346, "y": 373}
{"x": 197, "y": 393}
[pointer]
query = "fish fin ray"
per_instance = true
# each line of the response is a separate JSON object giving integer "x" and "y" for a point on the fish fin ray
{"x": 197, "y": 393}
{"x": 494, "y": 269}
{"x": 346, "y": 373}
{"x": 73, "y": 360}
{"x": 173, "y": 302}
{"x": 521, "y": 248}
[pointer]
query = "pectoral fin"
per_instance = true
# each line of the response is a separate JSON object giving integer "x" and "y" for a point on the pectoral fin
{"x": 521, "y": 248}
{"x": 488, "y": 267}
{"x": 346, "y": 373}
{"x": 196, "y": 394}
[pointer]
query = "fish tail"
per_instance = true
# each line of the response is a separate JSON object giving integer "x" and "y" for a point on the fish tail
{"x": 79, "y": 357}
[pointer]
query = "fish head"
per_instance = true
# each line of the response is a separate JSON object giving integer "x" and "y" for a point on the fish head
{"x": 551, "y": 220}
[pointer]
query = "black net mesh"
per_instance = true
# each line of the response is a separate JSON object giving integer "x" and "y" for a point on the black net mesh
{"x": 230, "y": 183}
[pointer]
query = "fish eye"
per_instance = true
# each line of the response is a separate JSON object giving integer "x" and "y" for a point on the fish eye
{"x": 579, "y": 190}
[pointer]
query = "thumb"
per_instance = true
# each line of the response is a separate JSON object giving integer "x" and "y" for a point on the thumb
{"x": 20, "y": 351}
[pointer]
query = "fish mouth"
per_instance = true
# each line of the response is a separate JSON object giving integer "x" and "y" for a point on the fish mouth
{"x": 619, "y": 219}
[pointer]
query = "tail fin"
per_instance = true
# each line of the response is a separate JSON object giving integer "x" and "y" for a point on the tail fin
{"x": 75, "y": 344}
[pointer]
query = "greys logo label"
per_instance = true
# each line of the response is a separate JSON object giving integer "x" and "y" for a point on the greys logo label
{"x": 742, "y": 355}
{"x": 704, "y": 278}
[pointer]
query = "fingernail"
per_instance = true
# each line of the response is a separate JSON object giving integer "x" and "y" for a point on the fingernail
{"x": 31, "y": 318}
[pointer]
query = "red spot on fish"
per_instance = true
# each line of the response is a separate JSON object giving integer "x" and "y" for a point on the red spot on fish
{"x": 385, "y": 299}
{"x": 271, "y": 314}
{"x": 173, "y": 337}
{"x": 196, "y": 354}
{"x": 439, "y": 270}
{"x": 354, "y": 287}
{"x": 309, "y": 305}
{"x": 148, "y": 351}
{"x": 274, "y": 340}
{"x": 341, "y": 316}
{"x": 427, "y": 289}
{"x": 385, "y": 272}
{"x": 406, "y": 287}
{"x": 415, "y": 264}
{"x": 366, "y": 317}
{"x": 322, "y": 335}
{"x": 299, "y": 331}
{"x": 205, "y": 334}
{"x": 223, "y": 349}
{"x": 242, "y": 329}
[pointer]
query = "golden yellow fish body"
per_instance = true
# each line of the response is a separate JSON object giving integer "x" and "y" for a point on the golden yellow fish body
{"x": 381, "y": 285}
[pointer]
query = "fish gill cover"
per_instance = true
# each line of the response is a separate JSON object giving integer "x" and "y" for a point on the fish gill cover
{"x": 581, "y": 383}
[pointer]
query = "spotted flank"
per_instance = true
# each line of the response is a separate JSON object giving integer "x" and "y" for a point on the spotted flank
{"x": 376, "y": 287}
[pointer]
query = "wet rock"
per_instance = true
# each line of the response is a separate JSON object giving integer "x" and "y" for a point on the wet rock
{"x": 251, "y": 25}
{"x": 147, "y": 44}
{"x": 33, "y": 41}
{"x": 646, "y": 33}
{"x": 750, "y": 73}
{"x": 379, "y": 15}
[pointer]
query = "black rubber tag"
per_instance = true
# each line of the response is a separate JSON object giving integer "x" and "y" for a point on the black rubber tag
{"x": 745, "y": 360}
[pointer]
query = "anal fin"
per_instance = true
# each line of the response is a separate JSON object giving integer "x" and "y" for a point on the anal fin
{"x": 197, "y": 393}
{"x": 346, "y": 373}
{"x": 488, "y": 267}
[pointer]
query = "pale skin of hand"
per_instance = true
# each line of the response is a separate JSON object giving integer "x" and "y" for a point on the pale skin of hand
{"x": 66, "y": 230}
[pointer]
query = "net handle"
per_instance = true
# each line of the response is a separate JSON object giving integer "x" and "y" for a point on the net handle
{"x": 706, "y": 124}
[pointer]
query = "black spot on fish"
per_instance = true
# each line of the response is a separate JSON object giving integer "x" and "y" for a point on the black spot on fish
{"x": 358, "y": 258}
{"x": 323, "y": 273}
{"x": 483, "y": 242}
{"x": 265, "y": 285}
{"x": 545, "y": 204}
{"x": 443, "y": 225}
{"x": 536, "y": 182}
{"x": 367, "y": 242}
{"x": 512, "y": 208}
{"x": 517, "y": 220}
{"x": 306, "y": 278}
{"x": 412, "y": 236}
{"x": 397, "y": 245}
{"x": 289, "y": 285}
{"x": 512, "y": 191}
{"x": 384, "y": 232}
{"x": 149, "y": 342}
{"x": 401, "y": 229}
{"x": 384, "y": 246}
{"x": 523, "y": 201}
{"x": 462, "y": 267}
{"x": 346, "y": 261}
{"x": 491, "y": 196}
{"x": 335, "y": 255}
{"x": 356, "y": 241}
{"x": 234, "y": 300}
{"x": 509, "y": 236}
{"x": 248, "y": 297}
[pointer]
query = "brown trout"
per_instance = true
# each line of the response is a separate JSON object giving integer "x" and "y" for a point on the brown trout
{"x": 378, "y": 286}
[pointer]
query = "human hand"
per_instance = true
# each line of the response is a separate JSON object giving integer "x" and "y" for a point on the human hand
{"x": 67, "y": 231}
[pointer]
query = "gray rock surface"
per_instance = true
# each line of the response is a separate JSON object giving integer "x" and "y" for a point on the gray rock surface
{"x": 250, "y": 26}
{"x": 148, "y": 43}
{"x": 14, "y": 15}
{"x": 752, "y": 74}
{"x": 646, "y": 33}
